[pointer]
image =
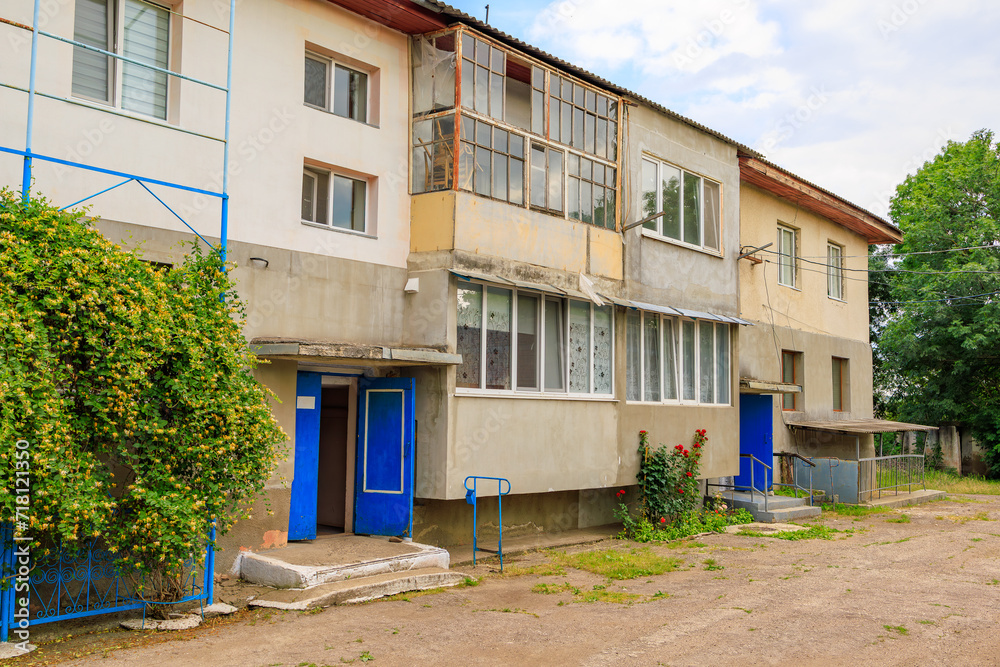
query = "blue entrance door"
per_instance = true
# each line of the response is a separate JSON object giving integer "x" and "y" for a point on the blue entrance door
{"x": 302, "y": 510}
{"x": 755, "y": 438}
{"x": 383, "y": 491}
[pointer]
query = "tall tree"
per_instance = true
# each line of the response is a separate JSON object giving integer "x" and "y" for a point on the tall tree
{"x": 943, "y": 342}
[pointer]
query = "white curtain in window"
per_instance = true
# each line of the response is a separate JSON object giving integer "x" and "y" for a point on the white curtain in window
{"x": 706, "y": 354}
{"x": 602, "y": 349}
{"x": 579, "y": 347}
{"x": 147, "y": 36}
{"x": 651, "y": 354}
{"x": 498, "y": 338}
{"x": 669, "y": 360}
{"x": 689, "y": 361}
{"x": 722, "y": 364}
{"x": 633, "y": 356}
{"x": 555, "y": 346}
{"x": 470, "y": 331}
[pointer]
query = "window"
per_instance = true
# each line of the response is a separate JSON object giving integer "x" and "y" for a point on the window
{"x": 533, "y": 342}
{"x": 546, "y": 178}
{"x": 492, "y": 161}
{"x": 346, "y": 95}
{"x": 841, "y": 384}
{"x": 788, "y": 259}
{"x": 791, "y": 373}
{"x": 677, "y": 360}
{"x": 433, "y": 150}
{"x": 333, "y": 199}
{"x": 591, "y": 191}
{"x": 691, "y": 205}
{"x": 834, "y": 271}
{"x": 483, "y": 69}
{"x": 433, "y": 73}
{"x": 582, "y": 118}
{"x": 132, "y": 28}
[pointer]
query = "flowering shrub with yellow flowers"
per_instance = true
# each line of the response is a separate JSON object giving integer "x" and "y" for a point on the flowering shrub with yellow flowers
{"x": 132, "y": 385}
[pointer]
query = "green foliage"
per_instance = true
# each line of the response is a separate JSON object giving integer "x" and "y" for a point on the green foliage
{"x": 618, "y": 564}
{"x": 133, "y": 386}
{"x": 940, "y": 345}
{"x": 668, "y": 478}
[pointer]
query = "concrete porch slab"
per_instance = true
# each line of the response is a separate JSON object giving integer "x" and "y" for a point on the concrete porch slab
{"x": 904, "y": 499}
{"x": 355, "y": 591}
{"x": 335, "y": 558}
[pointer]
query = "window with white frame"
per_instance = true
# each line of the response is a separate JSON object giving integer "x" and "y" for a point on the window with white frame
{"x": 676, "y": 360}
{"x": 136, "y": 29}
{"x": 333, "y": 199}
{"x": 336, "y": 88}
{"x": 525, "y": 341}
{"x": 691, "y": 205}
{"x": 835, "y": 271}
{"x": 788, "y": 257}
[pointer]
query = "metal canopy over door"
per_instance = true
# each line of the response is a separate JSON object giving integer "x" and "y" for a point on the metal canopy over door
{"x": 302, "y": 509}
{"x": 756, "y": 438}
{"x": 383, "y": 491}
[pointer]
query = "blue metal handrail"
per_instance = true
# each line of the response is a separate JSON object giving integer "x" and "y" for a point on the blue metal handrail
{"x": 471, "y": 497}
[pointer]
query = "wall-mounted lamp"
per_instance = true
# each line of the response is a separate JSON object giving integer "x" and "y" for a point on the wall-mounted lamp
{"x": 259, "y": 262}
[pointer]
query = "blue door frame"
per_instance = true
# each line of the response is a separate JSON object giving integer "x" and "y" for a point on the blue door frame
{"x": 756, "y": 438}
{"x": 302, "y": 508}
{"x": 383, "y": 487}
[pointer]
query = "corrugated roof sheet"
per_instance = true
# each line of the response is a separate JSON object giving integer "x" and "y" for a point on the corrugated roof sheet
{"x": 860, "y": 426}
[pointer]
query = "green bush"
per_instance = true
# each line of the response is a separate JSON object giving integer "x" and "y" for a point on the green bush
{"x": 133, "y": 387}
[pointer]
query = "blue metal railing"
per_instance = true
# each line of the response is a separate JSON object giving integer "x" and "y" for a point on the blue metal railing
{"x": 84, "y": 583}
{"x": 471, "y": 497}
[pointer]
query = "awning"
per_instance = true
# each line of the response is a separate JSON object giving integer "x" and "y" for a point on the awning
{"x": 751, "y": 386}
{"x": 859, "y": 426}
{"x": 685, "y": 312}
{"x": 350, "y": 354}
{"x": 520, "y": 284}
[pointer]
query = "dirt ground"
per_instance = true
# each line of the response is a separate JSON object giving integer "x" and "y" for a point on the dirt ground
{"x": 882, "y": 591}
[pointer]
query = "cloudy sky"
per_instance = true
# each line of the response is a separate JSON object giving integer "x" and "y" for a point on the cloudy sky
{"x": 850, "y": 94}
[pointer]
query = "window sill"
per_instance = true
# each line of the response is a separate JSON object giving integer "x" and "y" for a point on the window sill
{"x": 337, "y": 115}
{"x": 533, "y": 396}
{"x": 118, "y": 111}
{"x": 797, "y": 289}
{"x": 341, "y": 230}
{"x": 833, "y": 298}
{"x": 650, "y": 234}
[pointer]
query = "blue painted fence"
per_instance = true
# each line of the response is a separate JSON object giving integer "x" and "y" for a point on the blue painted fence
{"x": 79, "y": 584}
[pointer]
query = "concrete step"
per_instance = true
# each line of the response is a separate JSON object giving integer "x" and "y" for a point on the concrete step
{"x": 773, "y": 502}
{"x": 353, "y": 591}
{"x": 785, "y": 514}
{"x": 275, "y": 569}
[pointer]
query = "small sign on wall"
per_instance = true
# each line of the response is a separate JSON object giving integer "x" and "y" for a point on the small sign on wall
{"x": 305, "y": 402}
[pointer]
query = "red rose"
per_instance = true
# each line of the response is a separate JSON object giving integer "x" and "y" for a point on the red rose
{"x": 681, "y": 491}
{"x": 679, "y": 447}
{"x": 689, "y": 474}
{"x": 642, "y": 433}
{"x": 696, "y": 445}
{"x": 685, "y": 452}
{"x": 663, "y": 519}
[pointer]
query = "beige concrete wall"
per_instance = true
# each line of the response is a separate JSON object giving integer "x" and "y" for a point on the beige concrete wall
{"x": 805, "y": 307}
{"x": 463, "y": 221}
{"x": 662, "y": 271}
{"x": 273, "y": 132}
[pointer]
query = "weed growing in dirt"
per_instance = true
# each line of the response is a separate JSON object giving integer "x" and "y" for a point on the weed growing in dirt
{"x": 951, "y": 483}
{"x": 902, "y": 518}
{"x": 619, "y": 564}
{"x": 899, "y": 629}
{"x": 711, "y": 565}
{"x": 812, "y": 532}
{"x": 841, "y": 509}
{"x": 541, "y": 570}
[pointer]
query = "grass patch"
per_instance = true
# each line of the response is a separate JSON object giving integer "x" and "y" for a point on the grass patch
{"x": 540, "y": 570}
{"x": 843, "y": 509}
{"x": 620, "y": 564}
{"x": 902, "y": 518}
{"x": 943, "y": 480}
{"x": 511, "y": 610}
{"x": 812, "y": 532}
{"x": 898, "y": 629}
{"x": 711, "y": 565}
{"x": 407, "y": 597}
{"x": 598, "y": 594}
{"x": 789, "y": 492}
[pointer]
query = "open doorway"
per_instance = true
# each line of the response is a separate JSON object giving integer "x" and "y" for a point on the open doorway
{"x": 331, "y": 490}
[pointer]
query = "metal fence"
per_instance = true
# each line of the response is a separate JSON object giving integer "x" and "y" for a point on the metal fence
{"x": 77, "y": 584}
{"x": 883, "y": 474}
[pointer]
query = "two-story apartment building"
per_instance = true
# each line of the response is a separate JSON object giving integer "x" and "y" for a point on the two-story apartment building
{"x": 433, "y": 227}
{"x": 805, "y": 367}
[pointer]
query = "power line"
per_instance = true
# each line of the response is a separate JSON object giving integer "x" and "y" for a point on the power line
{"x": 948, "y": 298}
{"x": 844, "y": 268}
{"x": 993, "y": 246}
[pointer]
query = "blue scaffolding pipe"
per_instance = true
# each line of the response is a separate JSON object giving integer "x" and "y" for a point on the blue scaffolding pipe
{"x": 110, "y": 172}
{"x": 29, "y": 155}
{"x": 77, "y": 203}
{"x": 118, "y": 56}
{"x": 193, "y": 230}
{"x": 113, "y": 112}
{"x": 26, "y": 172}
